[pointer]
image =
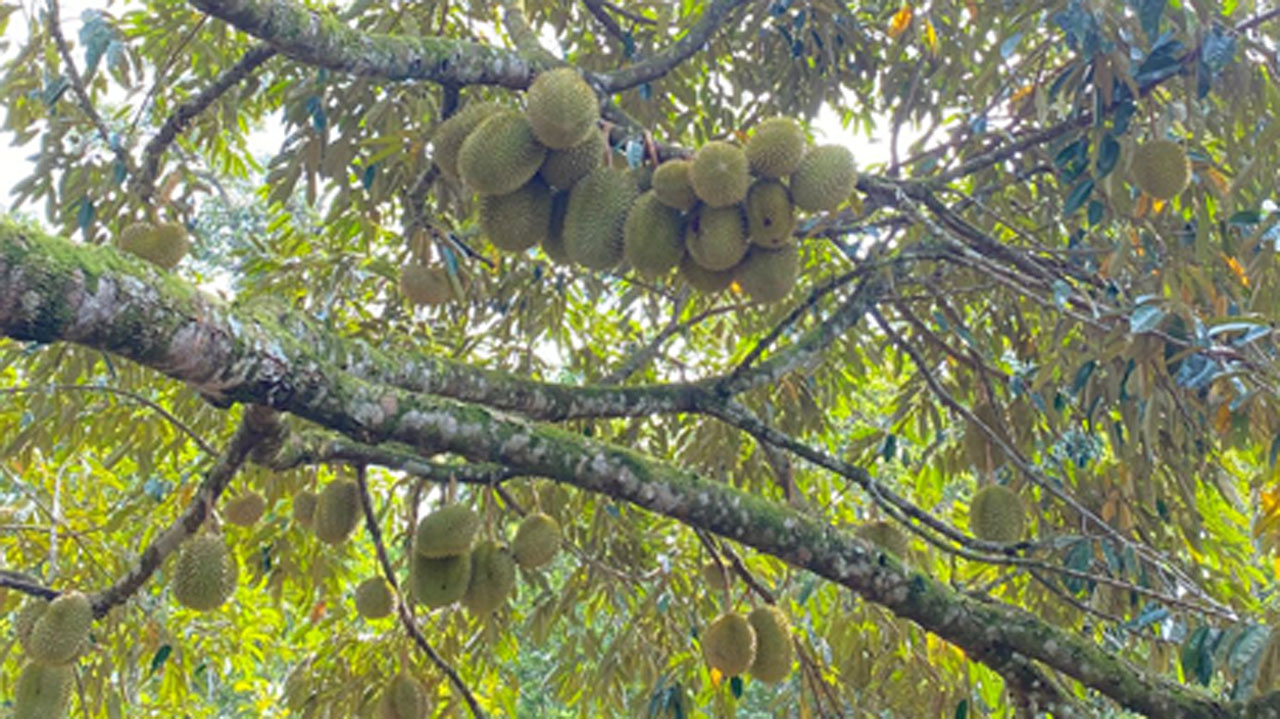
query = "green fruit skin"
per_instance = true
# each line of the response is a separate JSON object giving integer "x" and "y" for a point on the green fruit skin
{"x": 373, "y": 598}
{"x": 1161, "y": 169}
{"x": 703, "y": 280}
{"x": 595, "y": 217}
{"x": 205, "y": 575}
{"x": 337, "y": 511}
{"x": 403, "y": 698}
{"x": 500, "y": 155}
{"x": 653, "y": 237}
{"x": 826, "y": 178}
{"x": 451, "y": 133}
{"x": 717, "y": 238}
{"x": 536, "y": 541}
{"x": 563, "y": 168}
{"x": 62, "y": 631}
{"x": 996, "y": 514}
{"x": 720, "y": 174}
{"x": 768, "y": 275}
{"x": 770, "y": 215}
{"x": 671, "y": 184}
{"x": 493, "y": 577}
{"x": 519, "y": 220}
{"x": 425, "y": 286}
{"x": 42, "y": 692}
{"x": 886, "y": 536}
{"x": 304, "y": 507}
{"x": 446, "y": 532}
{"x": 715, "y": 576}
{"x": 26, "y": 620}
{"x": 561, "y": 107}
{"x": 730, "y": 645}
{"x": 773, "y": 644}
{"x": 245, "y": 510}
{"x": 776, "y": 148}
{"x": 439, "y": 582}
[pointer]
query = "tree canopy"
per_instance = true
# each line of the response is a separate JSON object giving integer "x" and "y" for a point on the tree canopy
{"x": 1007, "y": 448}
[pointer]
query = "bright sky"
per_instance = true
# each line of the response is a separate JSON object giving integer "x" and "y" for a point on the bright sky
{"x": 266, "y": 140}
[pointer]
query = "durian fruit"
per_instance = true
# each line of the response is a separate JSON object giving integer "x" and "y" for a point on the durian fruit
{"x": 720, "y": 174}
{"x": 42, "y": 692}
{"x": 536, "y": 541}
{"x": 706, "y": 281}
{"x": 163, "y": 245}
{"x": 25, "y": 621}
{"x": 770, "y": 215}
{"x": 62, "y": 631}
{"x": 205, "y": 574}
{"x": 773, "y": 644}
{"x": 776, "y": 147}
{"x": 136, "y": 239}
{"x": 996, "y": 514}
{"x": 596, "y": 214}
{"x": 493, "y": 577}
{"x": 451, "y": 133}
{"x": 716, "y": 237}
{"x": 516, "y": 221}
{"x": 337, "y": 511}
{"x": 553, "y": 243}
{"x": 425, "y": 286}
{"x": 561, "y": 107}
{"x": 768, "y": 275}
{"x": 1161, "y": 169}
{"x": 653, "y": 237}
{"x": 373, "y": 598}
{"x": 446, "y": 532}
{"x": 715, "y": 576}
{"x": 671, "y": 184}
{"x": 500, "y": 155}
{"x": 730, "y": 644}
{"x": 825, "y": 179}
{"x": 245, "y": 510}
{"x": 439, "y": 582}
{"x": 404, "y": 698}
{"x": 886, "y": 535}
{"x": 304, "y": 507}
{"x": 563, "y": 168}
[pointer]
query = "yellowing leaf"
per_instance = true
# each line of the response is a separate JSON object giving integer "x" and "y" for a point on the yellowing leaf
{"x": 1222, "y": 418}
{"x": 930, "y": 38}
{"x": 1217, "y": 181}
{"x": 1021, "y": 94}
{"x": 901, "y": 21}
{"x": 1237, "y": 269}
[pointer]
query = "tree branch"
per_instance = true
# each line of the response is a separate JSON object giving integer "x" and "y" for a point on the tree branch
{"x": 661, "y": 63}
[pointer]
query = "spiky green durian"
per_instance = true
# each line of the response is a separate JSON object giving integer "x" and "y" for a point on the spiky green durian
{"x": 563, "y": 168}
{"x": 25, "y": 621}
{"x": 996, "y": 514}
{"x": 773, "y": 644}
{"x": 163, "y": 245}
{"x": 826, "y": 178}
{"x": 776, "y": 147}
{"x": 373, "y": 598}
{"x": 703, "y": 280}
{"x": 1161, "y": 169}
{"x": 720, "y": 174}
{"x": 304, "y": 507}
{"x": 885, "y": 535}
{"x": 536, "y": 541}
{"x": 671, "y": 184}
{"x": 561, "y": 107}
{"x": 518, "y": 220}
{"x": 768, "y": 275}
{"x": 404, "y": 698}
{"x": 205, "y": 574}
{"x": 245, "y": 510}
{"x": 42, "y": 691}
{"x": 770, "y": 214}
{"x": 493, "y": 577}
{"x": 446, "y": 532}
{"x": 449, "y": 136}
{"x": 337, "y": 511}
{"x": 716, "y": 576}
{"x": 500, "y": 155}
{"x": 730, "y": 644}
{"x": 653, "y": 238}
{"x": 439, "y": 582}
{"x": 716, "y": 237}
{"x": 136, "y": 239}
{"x": 62, "y": 631}
{"x": 425, "y": 286}
{"x": 595, "y": 217}
{"x": 553, "y": 243}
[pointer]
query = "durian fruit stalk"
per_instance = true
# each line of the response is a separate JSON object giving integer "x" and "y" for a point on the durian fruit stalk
{"x": 773, "y": 644}
{"x": 729, "y": 644}
{"x": 205, "y": 573}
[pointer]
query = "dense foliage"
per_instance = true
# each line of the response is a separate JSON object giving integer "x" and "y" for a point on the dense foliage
{"x": 1011, "y": 301}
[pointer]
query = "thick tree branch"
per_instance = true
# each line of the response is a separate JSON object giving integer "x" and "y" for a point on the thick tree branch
{"x": 53, "y": 291}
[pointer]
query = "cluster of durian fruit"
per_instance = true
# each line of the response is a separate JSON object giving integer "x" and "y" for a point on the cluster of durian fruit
{"x": 758, "y": 644}
{"x": 163, "y": 244}
{"x": 544, "y": 177}
{"x": 53, "y": 634}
